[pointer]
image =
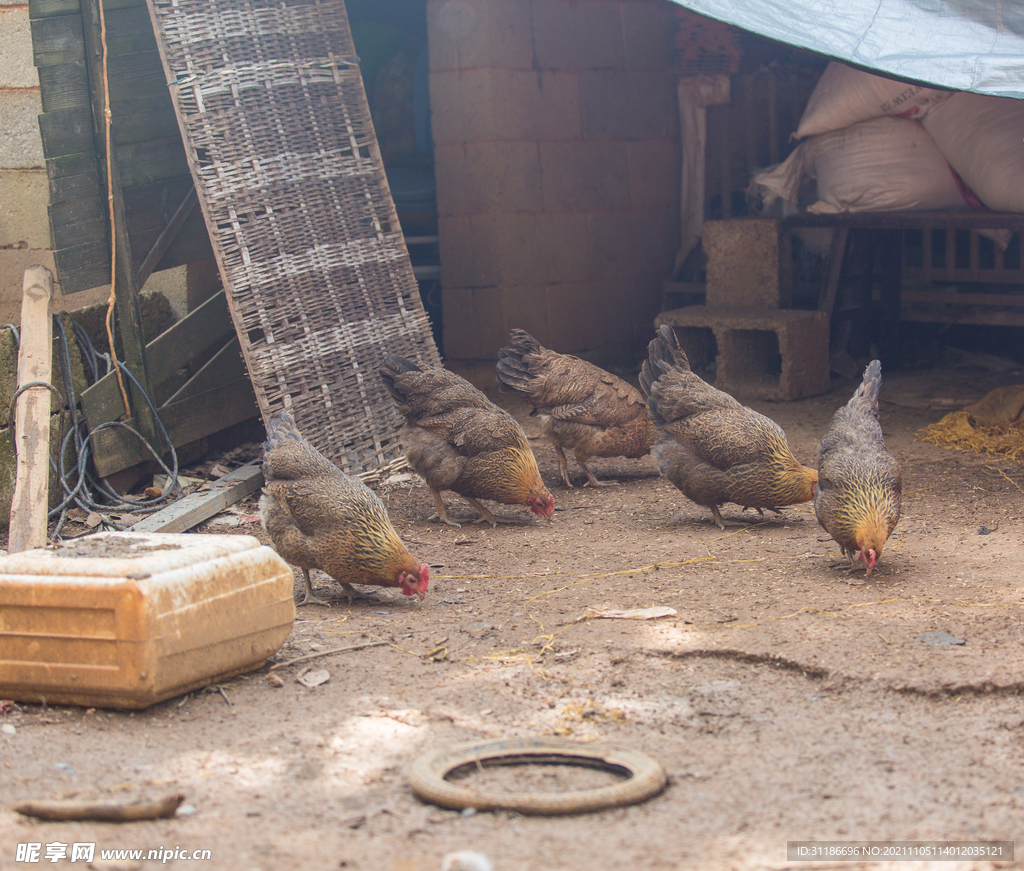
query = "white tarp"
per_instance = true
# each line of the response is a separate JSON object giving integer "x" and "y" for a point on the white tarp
{"x": 967, "y": 45}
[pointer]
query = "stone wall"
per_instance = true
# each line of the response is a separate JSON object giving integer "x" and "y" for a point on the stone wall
{"x": 557, "y": 159}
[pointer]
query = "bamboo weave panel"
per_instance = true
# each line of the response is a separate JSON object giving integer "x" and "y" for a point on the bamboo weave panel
{"x": 271, "y": 105}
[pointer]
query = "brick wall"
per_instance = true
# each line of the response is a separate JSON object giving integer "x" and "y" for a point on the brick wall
{"x": 557, "y": 159}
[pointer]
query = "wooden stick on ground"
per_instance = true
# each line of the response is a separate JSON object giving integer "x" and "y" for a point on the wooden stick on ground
{"x": 32, "y": 419}
{"x": 108, "y": 811}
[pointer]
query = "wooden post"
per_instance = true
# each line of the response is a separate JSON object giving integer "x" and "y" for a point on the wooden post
{"x": 32, "y": 417}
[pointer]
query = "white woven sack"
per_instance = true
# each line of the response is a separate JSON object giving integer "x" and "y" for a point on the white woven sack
{"x": 845, "y": 95}
{"x": 885, "y": 164}
{"x": 983, "y": 139}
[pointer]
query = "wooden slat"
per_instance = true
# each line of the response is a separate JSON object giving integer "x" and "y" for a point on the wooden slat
{"x": 32, "y": 433}
{"x": 166, "y": 237}
{"x": 68, "y": 131}
{"x": 207, "y": 326}
{"x": 156, "y": 159}
{"x": 1012, "y": 300}
{"x": 143, "y": 119}
{"x": 75, "y": 222}
{"x": 57, "y": 40}
{"x": 83, "y": 267}
{"x": 129, "y": 313}
{"x": 63, "y": 86}
{"x": 910, "y": 220}
{"x": 201, "y": 505}
{"x": 225, "y": 366}
{"x": 75, "y": 187}
{"x": 186, "y": 421}
{"x": 51, "y": 8}
{"x": 129, "y": 31}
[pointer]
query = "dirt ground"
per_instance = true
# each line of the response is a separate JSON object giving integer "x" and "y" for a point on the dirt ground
{"x": 786, "y": 699}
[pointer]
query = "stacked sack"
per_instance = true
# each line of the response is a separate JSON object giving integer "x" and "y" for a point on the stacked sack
{"x": 875, "y": 144}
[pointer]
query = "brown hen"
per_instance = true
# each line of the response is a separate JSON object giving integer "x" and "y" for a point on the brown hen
{"x": 860, "y": 485}
{"x": 457, "y": 439}
{"x": 711, "y": 447}
{"x": 581, "y": 406}
{"x": 320, "y": 518}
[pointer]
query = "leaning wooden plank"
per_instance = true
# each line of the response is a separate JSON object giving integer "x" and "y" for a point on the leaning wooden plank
{"x": 32, "y": 433}
{"x": 186, "y": 421}
{"x": 203, "y": 504}
{"x": 202, "y": 328}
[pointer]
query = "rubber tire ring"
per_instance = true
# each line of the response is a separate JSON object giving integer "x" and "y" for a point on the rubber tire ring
{"x": 646, "y": 777}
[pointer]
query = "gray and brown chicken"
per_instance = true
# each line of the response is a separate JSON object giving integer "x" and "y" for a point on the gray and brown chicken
{"x": 320, "y": 518}
{"x": 457, "y": 439}
{"x": 857, "y": 500}
{"x": 714, "y": 449}
{"x": 581, "y": 406}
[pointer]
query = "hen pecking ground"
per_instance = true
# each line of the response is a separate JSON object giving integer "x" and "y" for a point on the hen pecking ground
{"x": 786, "y": 699}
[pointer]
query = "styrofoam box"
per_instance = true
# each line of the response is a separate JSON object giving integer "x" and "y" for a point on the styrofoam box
{"x": 124, "y": 620}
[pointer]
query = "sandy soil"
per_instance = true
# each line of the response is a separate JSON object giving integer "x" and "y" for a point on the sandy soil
{"x": 786, "y": 699}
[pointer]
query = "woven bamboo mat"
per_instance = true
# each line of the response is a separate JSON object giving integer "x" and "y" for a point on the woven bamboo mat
{"x": 276, "y": 125}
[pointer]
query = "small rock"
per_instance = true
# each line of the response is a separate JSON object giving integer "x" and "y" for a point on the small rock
{"x": 8, "y": 729}
{"x": 314, "y": 677}
{"x": 466, "y": 860}
{"x": 275, "y": 680}
{"x": 186, "y": 810}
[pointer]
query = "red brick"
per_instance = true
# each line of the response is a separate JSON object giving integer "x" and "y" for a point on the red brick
{"x": 466, "y": 34}
{"x": 480, "y": 177}
{"x": 571, "y": 35}
{"x": 585, "y": 175}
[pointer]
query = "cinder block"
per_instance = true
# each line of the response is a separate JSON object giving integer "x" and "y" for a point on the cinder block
{"x": 579, "y": 319}
{"x": 473, "y": 322}
{"x": 21, "y": 146}
{"x": 631, "y": 242}
{"x": 528, "y": 105}
{"x": 525, "y": 307}
{"x": 628, "y": 105}
{"x": 465, "y": 34}
{"x": 654, "y": 167}
{"x": 466, "y": 249}
{"x": 581, "y": 175}
{"x": 462, "y": 106}
{"x": 749, "y": 263}
{"x": 546, "y": 248}
{"x": 25, "y": 194}
{"x": 762, "y": 353}
{"x": 16, "y": 67}
{"x": 480, "y": 177}
{"x": 569, "y": 35}
{"x": 648, "y": 35}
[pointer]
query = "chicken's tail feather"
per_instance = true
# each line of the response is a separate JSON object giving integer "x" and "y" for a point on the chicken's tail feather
{"x": 393, "y": 368}
{"x": 280, "y": 427}
{"x": 867, "y": 393}
{"x": 663, "y": 355}
{"x": 512, "y": 371}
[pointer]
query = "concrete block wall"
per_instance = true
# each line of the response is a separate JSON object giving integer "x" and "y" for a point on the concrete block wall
{"x": 557, "y": 160}
{"x": 24, "y": 187}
